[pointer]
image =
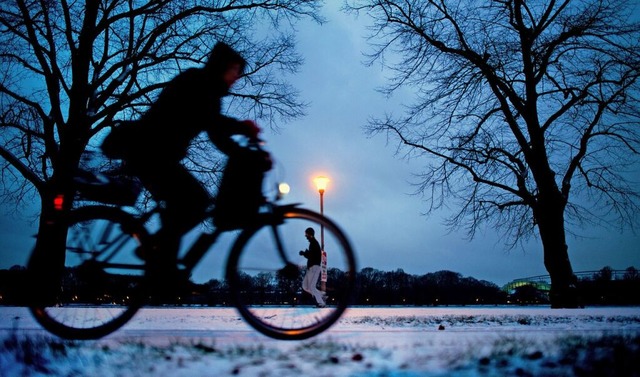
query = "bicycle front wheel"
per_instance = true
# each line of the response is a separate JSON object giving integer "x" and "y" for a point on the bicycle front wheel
{"x": 265, "y": 274}
{"x": 100, "y": 287}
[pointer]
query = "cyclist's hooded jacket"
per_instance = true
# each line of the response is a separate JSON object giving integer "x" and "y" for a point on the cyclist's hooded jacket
{"x": 188, "y": 105}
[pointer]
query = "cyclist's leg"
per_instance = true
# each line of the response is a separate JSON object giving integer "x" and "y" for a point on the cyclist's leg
{"x": 185, "y": 203}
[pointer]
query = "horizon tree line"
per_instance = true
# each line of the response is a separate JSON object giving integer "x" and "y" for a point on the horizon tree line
{"x": 374, "y": 288}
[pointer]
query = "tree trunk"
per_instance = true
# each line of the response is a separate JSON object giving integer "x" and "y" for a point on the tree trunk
{"x": 46, "y": 264}
{"x": 550, "y": 219}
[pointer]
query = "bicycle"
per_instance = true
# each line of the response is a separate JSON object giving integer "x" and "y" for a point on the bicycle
{"x": 103, "y": 284}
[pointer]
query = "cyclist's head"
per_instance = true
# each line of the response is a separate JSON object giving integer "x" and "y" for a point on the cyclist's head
{"x": 309, "y": 232}
{"x": 222, "y": 58}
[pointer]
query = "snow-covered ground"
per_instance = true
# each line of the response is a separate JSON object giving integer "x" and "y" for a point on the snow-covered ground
{"x": 471, "y": 341}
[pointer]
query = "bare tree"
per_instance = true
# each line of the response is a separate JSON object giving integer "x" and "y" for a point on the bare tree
{"x": 70, "y": 69}
{"x": 526, "y": 113}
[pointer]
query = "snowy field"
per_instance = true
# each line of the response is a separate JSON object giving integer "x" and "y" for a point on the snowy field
{"x": 471, "y": 341}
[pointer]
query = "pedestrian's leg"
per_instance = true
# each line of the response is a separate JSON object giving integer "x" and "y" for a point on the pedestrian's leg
{"x": 314, "y": 273}
{"x": 306, "y": 287}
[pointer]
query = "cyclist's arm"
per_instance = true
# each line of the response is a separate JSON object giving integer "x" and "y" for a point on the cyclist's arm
{"x": 224, "y": 128}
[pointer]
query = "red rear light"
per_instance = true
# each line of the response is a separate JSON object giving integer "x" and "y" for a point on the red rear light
{"x": 58, "y": 202}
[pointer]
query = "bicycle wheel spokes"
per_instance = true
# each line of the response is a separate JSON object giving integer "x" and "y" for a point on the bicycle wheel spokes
{"x": 100, "y": 287}
{"x": 268, "y": 291}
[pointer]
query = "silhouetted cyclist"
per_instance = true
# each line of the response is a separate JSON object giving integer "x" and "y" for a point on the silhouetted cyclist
{"x": 153, "y": 147}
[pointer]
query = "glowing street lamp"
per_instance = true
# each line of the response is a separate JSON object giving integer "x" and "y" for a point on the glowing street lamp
{"x": 321, "y": 183}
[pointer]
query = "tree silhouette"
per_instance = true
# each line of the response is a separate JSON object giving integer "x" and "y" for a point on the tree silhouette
{"x": 526, "y": 114}
{"x": 438, "y": 288}
{"x": 631, "y": 273}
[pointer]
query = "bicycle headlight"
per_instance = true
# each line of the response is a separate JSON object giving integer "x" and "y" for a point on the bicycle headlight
{"x": 283, "y": 188}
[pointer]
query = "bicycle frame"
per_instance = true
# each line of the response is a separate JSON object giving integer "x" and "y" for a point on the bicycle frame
{"x": 101, "y": 296}
{"x": 271, "y": 215}
{"x": 206, "y": 240}
{"x": 203, "y": 243}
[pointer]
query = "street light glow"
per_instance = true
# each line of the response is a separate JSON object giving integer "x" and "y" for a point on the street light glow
{"x": 321, "y": 183}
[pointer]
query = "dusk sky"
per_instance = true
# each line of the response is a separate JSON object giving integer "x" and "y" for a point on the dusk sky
{"x": 370, "y": 192}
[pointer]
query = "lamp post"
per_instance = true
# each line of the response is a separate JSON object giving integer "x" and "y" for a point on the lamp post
{"x": 321, "y": 184}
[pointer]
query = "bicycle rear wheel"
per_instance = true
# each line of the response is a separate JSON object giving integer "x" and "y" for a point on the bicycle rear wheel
{"x": 267, "y": 291}
{"x": 101, "y": 285}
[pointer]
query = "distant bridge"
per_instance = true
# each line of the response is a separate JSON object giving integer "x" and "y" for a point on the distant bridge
{"x": 543, "y": 282}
